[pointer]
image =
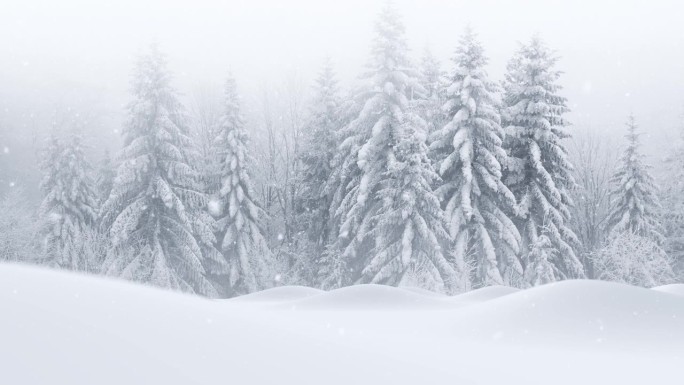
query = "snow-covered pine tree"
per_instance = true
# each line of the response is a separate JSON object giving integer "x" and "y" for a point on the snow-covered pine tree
{"x": 635, "y": 206}
{"x": 149, "y": 213}
{"x": 201, "y": 156}
{"x": 408, "y": 225}
{"x": 205, "y": 111}
{"x": 539, "y": 172}
{"x": 105, "y": 177}
{"x": 69, "y": 208}
{"x": 380, "y": 202}
{"x": 238, "y": 217}
{"x": 469, "y": 155}
{"x": 333, "y": 269}
{"x": 18, "y": 227}
{"x": 672, "y": 201}
{"x": 432, "y": 79}
{"x": 320, "y": 143}
{"x": 540, "y": 269}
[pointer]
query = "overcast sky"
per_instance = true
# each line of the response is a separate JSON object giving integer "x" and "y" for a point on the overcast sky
{"x": 618, "y": 56}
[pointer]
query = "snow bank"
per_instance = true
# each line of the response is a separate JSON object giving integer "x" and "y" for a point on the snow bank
{"x": 370, "y": 297}
{"x": 279, "y": 294}
{"x": 580, "y": 312}
{"x": 421, "y": 291}
{"x": 61, "y": 328}
{"x": 485, "y": 294}
{"x": 675, "y": 288}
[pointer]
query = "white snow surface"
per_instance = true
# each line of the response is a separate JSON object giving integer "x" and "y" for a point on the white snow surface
{"x": 422, "y": 291}
{"x": 368, "y": 298}
{"x": 278, "y": 294}
{"x": 674, "y": 288}
{"x": 64, "y": 328}
{"x": 485, "y": 293}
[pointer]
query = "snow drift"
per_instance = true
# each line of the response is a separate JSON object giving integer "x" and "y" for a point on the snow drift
{"x": 63, "y": 328}
{"x": 675, "y": 288}
{"x": 369, "y": 297}
{"x": 278, "y": 294}
{"x": 485, "y": 294}
{"x": 581, "y": 312}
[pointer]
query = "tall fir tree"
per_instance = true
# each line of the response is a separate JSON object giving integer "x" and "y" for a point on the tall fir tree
{"x": 409, "y": 226}
{"x": 433, "y": 80}
{"x": 469, "y": 155}
{"x": 333, "y": 268}
{"x": 539, "y": 172}
{"x": 150, "y": 211}
{"x": 635, "y": 206}
{"x": 391, "y": 218}
{"x": 69, "y": 207}
{"x": 540, "y": 270}
{"x": 18, "y": 227}
{"x": 320, "y": 142}
{"x": 105, "y": 177}
{"x": 238, "y": 217}
{"x": 672, "y": 202}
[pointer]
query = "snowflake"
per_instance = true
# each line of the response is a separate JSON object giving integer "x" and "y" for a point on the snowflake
{"x": 214, "y": 207}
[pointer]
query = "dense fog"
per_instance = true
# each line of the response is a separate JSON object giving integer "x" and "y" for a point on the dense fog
{"x": 617, "y": 57}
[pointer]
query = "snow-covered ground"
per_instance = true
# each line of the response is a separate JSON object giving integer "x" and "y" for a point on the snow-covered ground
{"x": 62, "y": 328}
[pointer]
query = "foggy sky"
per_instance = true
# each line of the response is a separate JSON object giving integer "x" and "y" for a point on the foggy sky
{"x": 619, "y": 57}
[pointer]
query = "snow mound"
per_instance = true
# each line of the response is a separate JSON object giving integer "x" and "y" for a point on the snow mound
{"x": 421, "y": 291}
{"x": 279, "y": 294}
{"x": 61, "y": 328}
{"x": 485, "y": 293}
{"x": 369, "y": 297}
{"x": 579, "y": 312}
{"x": 675, "y": 288}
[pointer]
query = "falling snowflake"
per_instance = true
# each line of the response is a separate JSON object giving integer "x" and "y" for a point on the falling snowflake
{"x": 214, "y": 207}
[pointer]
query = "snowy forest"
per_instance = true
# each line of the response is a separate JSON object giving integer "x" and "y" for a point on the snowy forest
{"x": 424, "y": 173}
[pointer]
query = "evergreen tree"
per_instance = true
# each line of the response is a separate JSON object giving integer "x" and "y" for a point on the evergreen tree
{"x": 320, "y": 143}
{"x": 469, "y": 155}
{"x": 239, "y": 233}
{"x": 17, "y": 227}
{"x": 105, "y": 177}
{"x": 540, "y": 270}
{"x": 409, "y": 226}
{"x": 69, "y": 208}
{"x": 539, "y": 172}
{"x": 379, "y": 145}
{"x": 149, "y": 213}
{"x": 433, "y": 81}
{"x": 672, "y": 201}
{"x": 635, "y": 204}
{"x": 333, "y": 268}
{"x": 206, "y": 110}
